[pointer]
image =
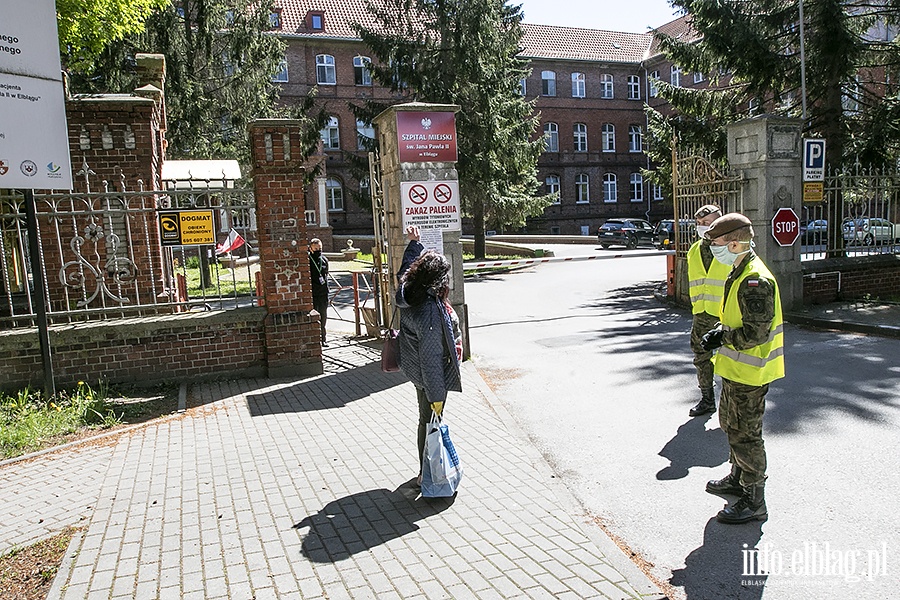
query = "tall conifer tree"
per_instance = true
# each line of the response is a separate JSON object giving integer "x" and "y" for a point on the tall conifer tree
{"x": 851, "y": 72}
{"x": 466, "y": 52}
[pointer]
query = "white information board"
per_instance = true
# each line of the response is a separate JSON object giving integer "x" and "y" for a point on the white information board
{"x": 34, "y": 139}
{"x": 431, "y": 204}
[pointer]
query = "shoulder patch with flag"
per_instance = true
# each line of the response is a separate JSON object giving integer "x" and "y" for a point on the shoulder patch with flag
{"x": 753, "y": 283}
{"x": 233, "y": 242}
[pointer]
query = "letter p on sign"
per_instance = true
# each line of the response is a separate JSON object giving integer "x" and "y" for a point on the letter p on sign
{"x": 813, "y": 159}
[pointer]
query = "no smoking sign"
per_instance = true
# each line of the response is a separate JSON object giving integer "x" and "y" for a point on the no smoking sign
{"x": 431, "y": 204}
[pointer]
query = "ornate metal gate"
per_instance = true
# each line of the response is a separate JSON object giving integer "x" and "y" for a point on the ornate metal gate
{"x": 697, "y": 180}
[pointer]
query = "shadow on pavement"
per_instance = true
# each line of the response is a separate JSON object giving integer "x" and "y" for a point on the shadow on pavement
{"x": 716, "y": 569}
{"x": 345, "y": 381}
{"x": 693, "y": 446}
{"x": 359, "y": 522}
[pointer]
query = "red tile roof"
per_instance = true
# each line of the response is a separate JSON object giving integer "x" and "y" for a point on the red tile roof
{"x": 539, "y": 41}
{"x": 573, "y": 43}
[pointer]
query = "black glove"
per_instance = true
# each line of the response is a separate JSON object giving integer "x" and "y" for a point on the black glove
{"x": 713, "y": 338}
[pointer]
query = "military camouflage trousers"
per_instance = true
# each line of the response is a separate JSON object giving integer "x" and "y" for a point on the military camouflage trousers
{"x": 702, "y": 323}
{"x": 741, "y": 409}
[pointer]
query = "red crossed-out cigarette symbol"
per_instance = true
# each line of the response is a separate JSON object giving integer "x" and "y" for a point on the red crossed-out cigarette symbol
{"x": 418, "y": 194}
{"x": 443, "y": 193}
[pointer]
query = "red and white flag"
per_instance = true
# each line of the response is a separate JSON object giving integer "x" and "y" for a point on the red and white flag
{"x": 233, "y": 242}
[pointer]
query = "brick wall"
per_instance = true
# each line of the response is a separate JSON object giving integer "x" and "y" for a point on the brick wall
{"x": 859, "y": 277}
{"x": 292, "y": 326}
{"x": 143, "y": 350}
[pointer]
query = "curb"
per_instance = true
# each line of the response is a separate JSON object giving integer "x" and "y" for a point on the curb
{"x": 890, "y": 331}
{"x": 182, "y": 399}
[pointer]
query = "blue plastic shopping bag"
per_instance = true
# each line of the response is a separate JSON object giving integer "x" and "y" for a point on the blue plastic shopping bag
{"x": 441, "y": 470}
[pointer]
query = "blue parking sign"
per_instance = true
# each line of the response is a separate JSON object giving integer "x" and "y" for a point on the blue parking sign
{"x": 813, "y": 159}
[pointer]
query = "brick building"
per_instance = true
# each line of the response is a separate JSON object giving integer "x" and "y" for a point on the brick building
{"x": 590, "y": 87}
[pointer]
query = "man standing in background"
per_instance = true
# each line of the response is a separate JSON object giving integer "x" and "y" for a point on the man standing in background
{"x": 318, "y": 271}
{"x": 706, "y": 277}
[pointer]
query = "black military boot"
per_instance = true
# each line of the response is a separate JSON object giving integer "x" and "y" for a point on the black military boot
{"x": 730, "y": 484}
{"x": 707, "y": 404}
{"x": 749, "y": 507}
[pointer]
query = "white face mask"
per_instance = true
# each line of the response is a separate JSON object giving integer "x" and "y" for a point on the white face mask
{"x": 701, "y": 230}
{"x": 725, "y": 256}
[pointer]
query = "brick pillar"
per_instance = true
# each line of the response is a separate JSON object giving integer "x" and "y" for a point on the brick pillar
{"x": 293, "y": 345}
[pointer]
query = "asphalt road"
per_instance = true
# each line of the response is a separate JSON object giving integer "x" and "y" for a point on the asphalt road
{"x": 598, "y": 374}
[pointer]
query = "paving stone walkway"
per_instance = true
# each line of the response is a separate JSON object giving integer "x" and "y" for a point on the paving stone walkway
{"x": 305, "y": 489}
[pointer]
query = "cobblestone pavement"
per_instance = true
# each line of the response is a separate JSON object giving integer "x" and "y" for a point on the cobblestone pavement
{"x": 305, "y": 489}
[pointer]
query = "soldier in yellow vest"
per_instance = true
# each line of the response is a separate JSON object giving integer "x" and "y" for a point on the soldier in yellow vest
{"x": 750, "y": 356}
{"x": 706, "y": 277}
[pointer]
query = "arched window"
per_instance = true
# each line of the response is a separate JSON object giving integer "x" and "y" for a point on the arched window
{"x": 634, "y": 87}
{"x": 578, "y": 85}
{"x": 334, "y": 194}
{"x": 548, "y": 83}
{"x": 552, "y": 183}
{"x": 610, "y": 193}
{"x": 331, "y": 136}
{"x": 551, "y": 137}
{"x": 361, "y": 73}
{"x": 635, "y": 138}
{"x": 365, "y": 135}
{"x": 637, "y": 187}
{"x": 582, "y": 188}
{"x": 608, "y": 137}
{"x": 580, "y": 133}
{"x": 325, "y": 73}
{"x": 606, "y": 86}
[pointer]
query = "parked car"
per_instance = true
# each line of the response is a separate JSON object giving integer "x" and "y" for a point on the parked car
{"x": 814, "y": 232}
{"x": 664, "y": 233}
{"x": 630, "y": 233}
{"x": 870, "y": 230}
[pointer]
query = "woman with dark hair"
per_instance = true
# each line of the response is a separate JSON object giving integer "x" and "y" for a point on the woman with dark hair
{"x": 430, "y": 348}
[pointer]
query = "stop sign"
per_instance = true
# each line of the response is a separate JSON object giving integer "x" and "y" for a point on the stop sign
{"x": 785, "y": 227}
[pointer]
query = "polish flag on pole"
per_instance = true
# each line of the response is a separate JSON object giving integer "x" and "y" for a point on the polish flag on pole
{"x": 233, "y": 242}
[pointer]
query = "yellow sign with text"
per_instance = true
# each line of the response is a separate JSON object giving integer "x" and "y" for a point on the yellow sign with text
{"x": 813, "y": 191}
{"x": 187, "y": 228}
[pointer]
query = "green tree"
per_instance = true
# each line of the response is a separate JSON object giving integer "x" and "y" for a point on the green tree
{"x": 466, "y": 52}
{"x": 851, "y": 70}
{"x": 220, "y": 59}
{"x": 86, "y": 27}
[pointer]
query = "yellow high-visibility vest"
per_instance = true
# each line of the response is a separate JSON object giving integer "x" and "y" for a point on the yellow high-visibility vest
{"x": 706, "y": 287}
{"x": 761, "y": 364}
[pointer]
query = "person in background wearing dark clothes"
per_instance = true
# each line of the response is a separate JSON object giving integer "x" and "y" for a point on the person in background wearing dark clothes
{"x": 429, "y": 330}
{"x": 318, "y": 271}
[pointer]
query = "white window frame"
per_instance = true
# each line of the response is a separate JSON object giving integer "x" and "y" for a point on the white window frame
{"x": 578, "y": 85}
{"x": 281, "y": 76}
{"x": 552, "y": 183}
{"x": 364, "y": 130}
{"x": 608, "y": 137}
{"x": 698, "y": 77}
{"x": 331, "y": 134}
{"x": 675, "y": 76}
{"x": 637, "y": 187}
{"x": 582, "y": 189}
{"x": 325, "y": 70}
{"x": 334, "y": 194}
{"x": 652, "y": 90}
{"x": 610, "y": 188}
{"x": 657, "y": 192}
{"x": 523, "y": 86}
{"x": 607, "y": 86}
{"x": 551, "y": 137}
{"x": 548, "y": 83}
{"x": 361, "y": 73}
{"x": 635, "y": 138}
{"x": 579, "y": 137}
{"x": 634, "y": 87}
